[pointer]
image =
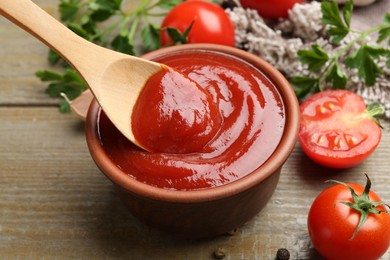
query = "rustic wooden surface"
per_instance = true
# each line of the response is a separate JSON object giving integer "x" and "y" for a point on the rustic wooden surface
{"x": 55, "y": 203}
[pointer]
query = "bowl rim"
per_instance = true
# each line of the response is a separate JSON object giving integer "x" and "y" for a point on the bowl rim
{"x": 271, "y": 165}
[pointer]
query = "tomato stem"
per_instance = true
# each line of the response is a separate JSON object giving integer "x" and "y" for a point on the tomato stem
{"x": 362, "y": 204}
{"x": 374, "y": 111}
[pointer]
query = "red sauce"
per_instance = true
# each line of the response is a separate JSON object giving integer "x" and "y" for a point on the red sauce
{"x": 252, "y": 119}
{"x": 173, "y": 114}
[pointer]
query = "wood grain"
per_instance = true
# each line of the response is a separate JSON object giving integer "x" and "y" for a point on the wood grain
{"x": 21, "y": 55}
{"x": 55, "y": 203}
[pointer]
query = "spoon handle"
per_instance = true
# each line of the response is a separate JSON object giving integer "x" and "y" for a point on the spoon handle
{"x": 74, "y": 49}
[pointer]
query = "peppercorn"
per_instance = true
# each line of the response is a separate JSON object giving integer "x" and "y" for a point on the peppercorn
{"x": 282, "y": 254}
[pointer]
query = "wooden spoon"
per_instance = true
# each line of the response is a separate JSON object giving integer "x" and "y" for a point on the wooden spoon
{"x": 115, "y": 79}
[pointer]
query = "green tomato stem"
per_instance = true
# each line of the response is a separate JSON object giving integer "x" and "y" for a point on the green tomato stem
{"x": 374, "y": 111}
{"x": 362, "y": 204}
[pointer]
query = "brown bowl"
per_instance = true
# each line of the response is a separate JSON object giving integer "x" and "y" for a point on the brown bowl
{"x": 213, "y": 211}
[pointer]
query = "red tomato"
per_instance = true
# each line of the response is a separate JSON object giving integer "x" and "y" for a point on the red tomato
{"x": 211, "y": 23}
{"x": 331, "y": 226}
{"x": 270, "y": 9}
{"x": 335, "y": 129}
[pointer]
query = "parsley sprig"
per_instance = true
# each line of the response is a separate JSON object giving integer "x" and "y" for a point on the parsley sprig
{"x": 106, "y": 23}
{"x": 329, "y": 69}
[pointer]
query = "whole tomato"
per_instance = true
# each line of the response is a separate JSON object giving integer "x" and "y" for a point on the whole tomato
{"x": 270, "y": 9}
{"x": 337, "y": 130}
{"x": 210, "y": 23}
{"x": 337, "y": 227}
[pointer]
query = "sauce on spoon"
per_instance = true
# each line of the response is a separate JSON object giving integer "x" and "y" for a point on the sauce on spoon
{"x": 173, "y": 114}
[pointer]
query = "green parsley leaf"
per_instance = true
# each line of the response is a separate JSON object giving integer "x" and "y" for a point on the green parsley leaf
{"x": 337, "y": 77}
{"x": 387, "y": 18}
{"x": 69, "y": 10}
{"x": 347, "y": 13}
{"x": 338, "y": 27}
{"x": 338, "y": 34}
{"x": 330, "y": 14}
{"x": 123, "y": 44}
{"x": 79, "y": 30}
{"x": 47, "y": 75}
{"x": 364, "y": 60}
{"x": 69, "y": 83}
{"x": 384, "y": 32}
{"x": 117, "y": 4}
{"x": 53, "y": 57}
{"x": 151, "y": 37}
{"x": 315, "y": 58}
{"x": 388, "y": 61}
{"x": 65, "y": 106}
{"x": 103, "y": 9}
{"x": 94, "y": 34}
{"x": 303, "y": 86}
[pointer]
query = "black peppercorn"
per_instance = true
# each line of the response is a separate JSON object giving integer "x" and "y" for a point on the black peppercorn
{"x": 282, "y": 254}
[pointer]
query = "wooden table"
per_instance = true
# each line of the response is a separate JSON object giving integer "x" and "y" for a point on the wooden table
{"x": 55, "y": 203}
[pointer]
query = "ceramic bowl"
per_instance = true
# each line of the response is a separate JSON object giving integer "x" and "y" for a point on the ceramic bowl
{"x": 213, "y": 211}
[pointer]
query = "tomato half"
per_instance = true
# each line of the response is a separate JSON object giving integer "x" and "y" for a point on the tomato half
{"x": 270, "y": 9}
{"x": 335, "y": 129}
{"x": 332, "y": 224}
{"x": 211, "y": 23}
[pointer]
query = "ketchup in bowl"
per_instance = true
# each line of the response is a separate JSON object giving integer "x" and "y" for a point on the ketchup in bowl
{"x": 232, "y": 133}
{"x": 173, "y": 110}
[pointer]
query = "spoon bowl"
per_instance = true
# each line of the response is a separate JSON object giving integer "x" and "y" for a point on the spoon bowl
{"x": 114, "y": 78}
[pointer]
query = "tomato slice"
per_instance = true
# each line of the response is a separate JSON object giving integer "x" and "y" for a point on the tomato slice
{"x": 335, "y": 129}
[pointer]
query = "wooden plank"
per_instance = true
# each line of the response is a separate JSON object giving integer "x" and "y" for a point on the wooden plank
{"x": 21, "y": 55}
{"x": 55, "y": 202}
